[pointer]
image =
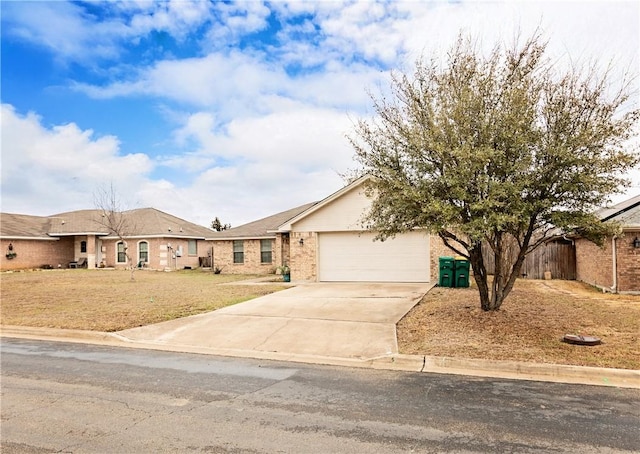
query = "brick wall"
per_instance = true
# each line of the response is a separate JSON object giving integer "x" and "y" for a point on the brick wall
{"x": 304, "y": 266}
{"x": 284, "y": 250}
{"x": 160, "y": 256}
{"x": 437, "y": 249}
{"x": 36, "y": 253}
{"x": 594, "y": 265}
{"x": 628, "y": 262}
{"x": 223, "y": 257}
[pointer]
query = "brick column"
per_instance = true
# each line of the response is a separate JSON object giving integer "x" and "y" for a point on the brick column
{"x": 91, "y": 252}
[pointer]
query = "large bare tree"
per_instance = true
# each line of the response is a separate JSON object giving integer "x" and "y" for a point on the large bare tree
{"x": 116, "y": 220}
{"x": 499, "y": 149}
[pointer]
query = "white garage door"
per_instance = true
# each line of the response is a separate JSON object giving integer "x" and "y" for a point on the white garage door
{"x": 356, "y": 257}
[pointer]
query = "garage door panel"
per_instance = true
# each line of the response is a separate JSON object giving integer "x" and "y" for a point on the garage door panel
{"x": 356, "y": 257}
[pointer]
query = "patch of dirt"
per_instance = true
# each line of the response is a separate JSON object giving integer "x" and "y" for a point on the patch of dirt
{"x": 528, "y": 327}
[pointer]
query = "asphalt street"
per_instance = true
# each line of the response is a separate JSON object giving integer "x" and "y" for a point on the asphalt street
{"x": 63, "y": 397}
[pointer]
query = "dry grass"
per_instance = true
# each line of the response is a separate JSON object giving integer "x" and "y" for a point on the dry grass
{"x": 107, "y": 300}
{"x": 528, "y": 327}
{"x": 447, "y": 322}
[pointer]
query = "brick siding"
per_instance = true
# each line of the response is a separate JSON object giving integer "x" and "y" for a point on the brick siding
{"x": 437, "y": 250}
{"x": 59, "y": 253}
{"x": 223, "y": 257}
{"x": 36, "y": 253}
{"x": 160, "y": 256}
{"x": 594, "y": 265}
{"x": 628, "y": 263}
{"x": 304, "y": 266}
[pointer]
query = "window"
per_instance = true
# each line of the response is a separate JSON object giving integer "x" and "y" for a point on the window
{"x": 122, "y": 252}
{"x": 238, "y": 251}
{"x": 143, "y": 252}
{"x": 83, "y": 247}
{"x": 265, "y": 251}
{"x": 193, "y": 247}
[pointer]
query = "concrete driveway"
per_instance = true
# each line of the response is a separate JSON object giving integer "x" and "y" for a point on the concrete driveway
{"x": 337, "y": 320}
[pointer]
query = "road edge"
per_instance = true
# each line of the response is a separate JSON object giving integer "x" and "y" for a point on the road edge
{"x": 558, "y": 373}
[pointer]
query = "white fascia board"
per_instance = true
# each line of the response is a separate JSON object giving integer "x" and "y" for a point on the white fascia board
{"x": 233, "y": 238}
{"x": 137, "y": 237}
{"x": 76, "y": 234}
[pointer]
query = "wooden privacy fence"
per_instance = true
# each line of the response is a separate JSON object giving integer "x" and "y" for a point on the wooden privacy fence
{"x": 557, "y": 257}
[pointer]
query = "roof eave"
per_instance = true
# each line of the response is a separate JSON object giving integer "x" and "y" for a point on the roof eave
{"x": 243, "y": 237}
{"x": 156, "y": 235}
{"x": 622, "y": 207}
{"x": 17, "y": 237}
{"x": 76, "y": 233}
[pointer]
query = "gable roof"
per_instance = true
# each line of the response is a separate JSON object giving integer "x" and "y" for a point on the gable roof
{"x": 262, "y": 228}
{"x": 286, "y": 226}
{"x": 627, "y": 213}
{"x": 147, "y": 222}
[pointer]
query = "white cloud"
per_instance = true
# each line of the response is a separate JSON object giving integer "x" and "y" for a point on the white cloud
{"x": 256, "y": 166}
{"x": 60, "y": 168}
{"x": 235, "y": 20}
{"x": 73, "y": 34}
{"x": 62, "y": 28}
{"x": 177, "y": 17}
{"x": 259, "y": 128}
{"x": 292, "y": 135}
{"x": 578, "y": 31}
{"x": 215, "y": 80}
{"x": 48, "y": 170}
{"x": 239, "y": 85}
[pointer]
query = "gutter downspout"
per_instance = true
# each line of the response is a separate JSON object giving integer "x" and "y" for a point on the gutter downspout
{"x": 614, "y": 254}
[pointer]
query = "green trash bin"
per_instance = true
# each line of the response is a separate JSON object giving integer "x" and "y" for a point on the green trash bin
{"x": 461, "y": 272}
{"x": 446, "y": 271}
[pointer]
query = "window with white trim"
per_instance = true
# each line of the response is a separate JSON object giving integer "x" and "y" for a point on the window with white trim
{"x": 238, "y": 251}
{"x": 193, "y": 247}
{"x": 143, "y": 252}
{"x": 266, "y": 251}
{"x": 121, "y": 252}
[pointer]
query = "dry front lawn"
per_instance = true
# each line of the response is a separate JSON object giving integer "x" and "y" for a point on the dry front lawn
{"x": 107, "y": 300}
{"x": 447, "y": 322}
{"x": 528, "y": 327}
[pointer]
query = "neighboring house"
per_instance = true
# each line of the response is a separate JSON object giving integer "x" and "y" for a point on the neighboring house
{"x": 254, "y": 248}
{"x": 325, "y": 241}
{"x": 154, "y": 239}
{"x": 616, "y": 266}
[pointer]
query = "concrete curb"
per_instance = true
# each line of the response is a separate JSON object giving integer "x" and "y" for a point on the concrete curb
{"x": 557, "y": 373}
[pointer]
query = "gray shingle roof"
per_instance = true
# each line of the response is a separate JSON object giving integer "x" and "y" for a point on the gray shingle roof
{"x": 262, "y": 228}
{"x": 626, "y": 213}
{"x": 140, "y": 222}
{"x": 23, "y": 226}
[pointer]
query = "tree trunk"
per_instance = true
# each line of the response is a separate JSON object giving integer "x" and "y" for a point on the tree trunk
{"x": 506, "y": 270}
{"x": 505, "y": 273}
{"x": 132, "y": 268}
{"x": 480, "y": 275}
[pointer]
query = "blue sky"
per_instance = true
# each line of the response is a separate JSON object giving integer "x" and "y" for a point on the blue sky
{"x": 235, "y": 109}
